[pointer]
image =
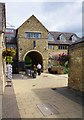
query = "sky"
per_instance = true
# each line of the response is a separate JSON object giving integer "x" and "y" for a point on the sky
{"x": 59, "y": 16}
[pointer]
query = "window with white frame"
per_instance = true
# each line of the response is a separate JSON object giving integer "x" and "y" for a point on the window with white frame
{"x": 32, "y": 35}
{"x": 62, "y": 37}
{"x": 50, "y": 37}
{"x": 51, "y": 47}
{"x": 74, "y": 38}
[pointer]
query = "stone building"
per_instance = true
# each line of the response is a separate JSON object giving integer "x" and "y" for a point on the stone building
{"x": 2, "y": 29}
{"x": 32, "y": 43}
{"x": 58, "y": 43}
{"x": 36, "y": 44}
{"x": 76, "y": 66}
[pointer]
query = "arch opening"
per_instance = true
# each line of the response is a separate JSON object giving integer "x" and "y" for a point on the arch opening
{"x": 33, "y": 58}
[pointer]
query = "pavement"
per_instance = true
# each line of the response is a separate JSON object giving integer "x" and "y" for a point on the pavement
{"x": 46, "y": 96}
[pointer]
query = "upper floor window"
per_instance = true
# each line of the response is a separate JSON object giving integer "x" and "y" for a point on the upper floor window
{"x": 74, "y": 38}
{"x": 50, "y": 37}
{"x": 32, "y": 35}
{"x": 62, "y": 37}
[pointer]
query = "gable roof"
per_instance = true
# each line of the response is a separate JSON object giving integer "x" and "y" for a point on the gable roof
{"x": 56, "y": 38}
{"x": 30, "y": 19}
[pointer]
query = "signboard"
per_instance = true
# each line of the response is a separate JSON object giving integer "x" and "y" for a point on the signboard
{"x": 9, "y": 31}
{"x": 10, "y": 35}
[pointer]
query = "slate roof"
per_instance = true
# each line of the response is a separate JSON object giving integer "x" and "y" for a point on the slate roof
{"x": 56, "y": 38}
{"x": 80, "y": 40}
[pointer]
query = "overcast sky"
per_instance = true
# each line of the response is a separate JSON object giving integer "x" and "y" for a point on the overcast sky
{"x": 62, "y": 16}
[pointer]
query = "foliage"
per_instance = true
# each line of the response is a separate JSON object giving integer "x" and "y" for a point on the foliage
{"x": 8, "y": 54}
{"x": 63, "y": 58}
{"x": 9, "y": 59}
{"x": 66, "y": 67}
{"x": 63, "y": 61}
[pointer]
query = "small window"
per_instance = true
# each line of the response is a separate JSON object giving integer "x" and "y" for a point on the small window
{"x": 62, "y": 47}
{"x": 34, "y": 44}
{"x": 50, "y": 37}
{"x": 51, "y": 47}
{"x": 62, "y": 37}
{"x": 74, "y": 38}
{"x": 32, "y": 35}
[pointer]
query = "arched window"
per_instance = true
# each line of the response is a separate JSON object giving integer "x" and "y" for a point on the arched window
{"x": 62, "y": 37}
{"x": 50, "y": 37}
{"x": 74, "y": 38}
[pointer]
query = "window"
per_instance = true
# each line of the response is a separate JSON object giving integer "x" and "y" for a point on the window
{"x": 62, "y": 37}
{"x": 62, "y": 47}
{"x": 74, "y": 38}
{"x": 32, "y": 35}
{"x": 50, "y": 37}
{"x": 51, "y": 47}
{"x": 34, "y": 44}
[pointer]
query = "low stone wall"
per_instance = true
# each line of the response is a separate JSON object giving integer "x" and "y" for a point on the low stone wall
{"x": 76, "y": 66}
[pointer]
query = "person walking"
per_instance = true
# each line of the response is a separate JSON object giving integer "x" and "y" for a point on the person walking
{"x": 39, "y": 69}
{"x": 34, "y": 71}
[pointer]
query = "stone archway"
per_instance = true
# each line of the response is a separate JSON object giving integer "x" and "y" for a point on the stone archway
{"x": 33, "y": 57}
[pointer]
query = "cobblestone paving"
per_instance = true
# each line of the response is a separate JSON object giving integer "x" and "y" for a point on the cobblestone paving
{"x": 45, "y": 89}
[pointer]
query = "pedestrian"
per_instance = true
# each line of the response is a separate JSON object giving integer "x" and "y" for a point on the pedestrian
{"x": 39, "y": 69}
{"x": 34, "y": 71}
{"x": 9, "y": 73}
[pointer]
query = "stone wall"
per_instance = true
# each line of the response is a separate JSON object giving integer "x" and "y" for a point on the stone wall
{"x": 26, "y": 45}
{"x": 2, "y": 75}
{"x": 76, "y": 66}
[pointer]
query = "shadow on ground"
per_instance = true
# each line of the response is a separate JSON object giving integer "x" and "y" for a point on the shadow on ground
{"x": 9, "y": 104}
{"x": 70, "y": 94}
{"x": 64, "y": 91}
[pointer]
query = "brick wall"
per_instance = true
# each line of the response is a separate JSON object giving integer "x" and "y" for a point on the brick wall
{"x": 76, "y": 66}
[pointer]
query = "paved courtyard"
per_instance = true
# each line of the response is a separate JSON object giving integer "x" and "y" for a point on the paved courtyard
{"x": 46, "y": 96}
